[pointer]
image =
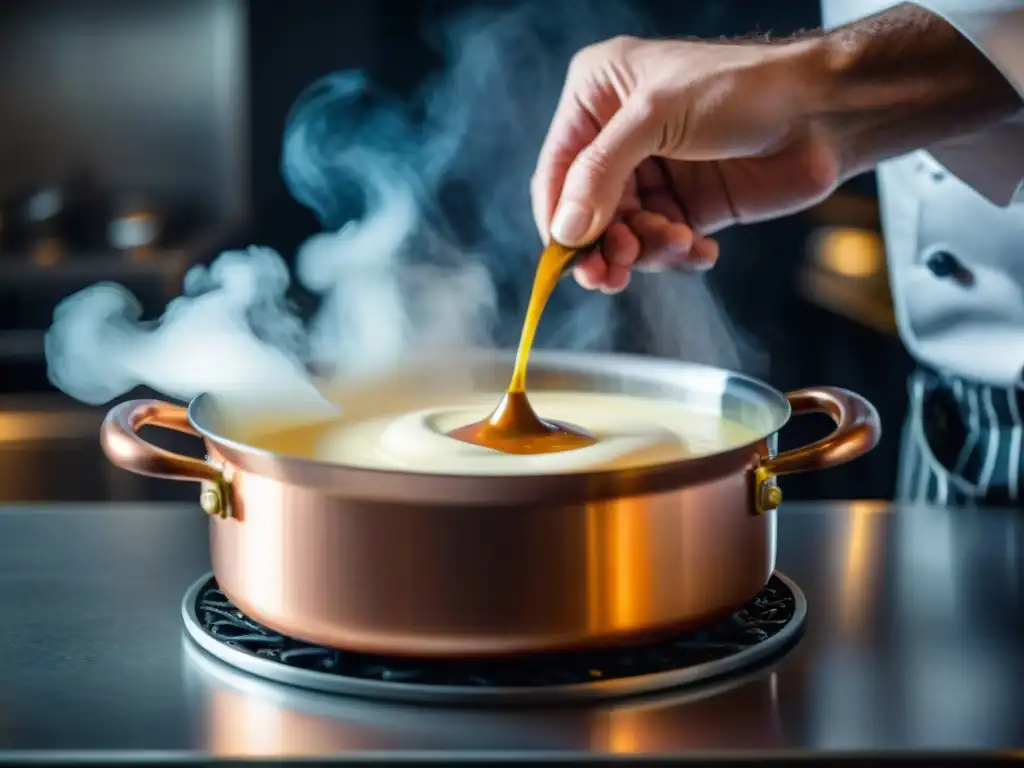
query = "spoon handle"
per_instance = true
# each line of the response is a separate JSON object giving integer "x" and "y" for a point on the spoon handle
{"x": 579, "y": 254}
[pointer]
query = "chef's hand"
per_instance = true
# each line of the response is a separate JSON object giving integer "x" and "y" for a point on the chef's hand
{"x": 656, "y": 145}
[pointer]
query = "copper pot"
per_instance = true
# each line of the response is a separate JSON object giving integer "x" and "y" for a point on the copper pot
{"x": 442, "y": 565}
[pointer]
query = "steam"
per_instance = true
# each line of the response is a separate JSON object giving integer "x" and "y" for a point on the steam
{"x": 429, "y": 245}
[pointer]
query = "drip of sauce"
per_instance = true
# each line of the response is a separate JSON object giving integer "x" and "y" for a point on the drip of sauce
{"x": 514, "y": 427}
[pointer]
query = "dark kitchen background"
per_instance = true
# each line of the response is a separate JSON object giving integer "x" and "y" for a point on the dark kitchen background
{"x": 139, "y": 137}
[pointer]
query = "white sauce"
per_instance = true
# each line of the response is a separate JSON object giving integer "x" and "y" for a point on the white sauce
{"x": 631, "y": 431}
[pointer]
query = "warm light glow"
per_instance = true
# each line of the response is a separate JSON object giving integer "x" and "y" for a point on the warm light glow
{"x": 47, "y": 252}
{"x": 618, "y": 566}
{"x": 595, "y": 615}
{"x": 860, "y": 565}
{"x": 851, "y": 252}
{"x": 241, "y": 726}
{"x": 245, "y": 725}
{"x": 631, "y": 571}
{"x": 16, "y": 427}
{"x": 143, "y": 253}
{"x": 629, "y": 729}
{"x": 620, "y": 733}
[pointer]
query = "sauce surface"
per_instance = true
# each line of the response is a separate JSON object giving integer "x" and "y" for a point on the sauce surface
{"x": 514, "y": 427}
{"x": 629, "y": 432}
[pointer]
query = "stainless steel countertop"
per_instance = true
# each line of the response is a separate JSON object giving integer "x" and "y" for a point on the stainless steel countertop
{"x": 914, "y": 640}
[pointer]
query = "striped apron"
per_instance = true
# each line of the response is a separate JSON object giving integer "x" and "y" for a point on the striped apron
{"x": 961, "y": 443}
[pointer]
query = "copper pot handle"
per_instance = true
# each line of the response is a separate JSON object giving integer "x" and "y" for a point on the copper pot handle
{"x": 123, "y": 446}
{"x": 858, "y": 430}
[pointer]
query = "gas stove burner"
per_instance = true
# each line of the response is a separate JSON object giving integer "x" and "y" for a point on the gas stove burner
{"x": 768, "y": 624}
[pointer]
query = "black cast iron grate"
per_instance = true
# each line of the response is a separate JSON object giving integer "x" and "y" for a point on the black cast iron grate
{"x": 764, "y": 617}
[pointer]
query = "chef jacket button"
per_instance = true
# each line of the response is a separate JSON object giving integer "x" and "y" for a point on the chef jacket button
{"x": 944, "y": 264}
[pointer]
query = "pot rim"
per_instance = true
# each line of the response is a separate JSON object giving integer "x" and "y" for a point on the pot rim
{"x": 403, "y": 486}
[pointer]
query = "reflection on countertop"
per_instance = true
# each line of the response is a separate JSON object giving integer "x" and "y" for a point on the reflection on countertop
{"x": 249, "y": 718}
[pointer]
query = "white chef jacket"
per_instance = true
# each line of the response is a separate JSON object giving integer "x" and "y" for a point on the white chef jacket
{"x": 961, "y": 199}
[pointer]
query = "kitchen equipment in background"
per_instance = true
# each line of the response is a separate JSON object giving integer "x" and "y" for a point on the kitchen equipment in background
{"x": 106, "y": 176}
{"x": 64, "y": 237}
{"x": 453, "y": 566}
{"x": 47, "y": 221}
{"x": 135, "y": 227}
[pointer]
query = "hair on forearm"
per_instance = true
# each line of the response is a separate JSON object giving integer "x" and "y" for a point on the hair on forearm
{"x": 907, "y": 78}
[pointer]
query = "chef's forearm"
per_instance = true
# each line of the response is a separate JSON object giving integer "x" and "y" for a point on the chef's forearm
{"x": 902, "y": 80}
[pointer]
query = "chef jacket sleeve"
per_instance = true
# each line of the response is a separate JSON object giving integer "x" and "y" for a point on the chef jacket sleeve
{"x": 991, "y": 160}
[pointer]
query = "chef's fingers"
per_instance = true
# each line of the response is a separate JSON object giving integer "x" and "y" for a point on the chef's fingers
{"x": 655, "y": 192}
{"x": 619, "y": 249}
{"x": 595, "y": 182}
{"x": 595, "y": 273}
{"x": 664, "y": 204}
{"x": 663, "y": 243}
{"x": 620, "y": 246}
{"x": 651, "y": 176}
{"x": 591, "y": 271}
{"x": 660, "y": 244}
{"x": 616, "y": 279}
{"x": 703, "y": 254}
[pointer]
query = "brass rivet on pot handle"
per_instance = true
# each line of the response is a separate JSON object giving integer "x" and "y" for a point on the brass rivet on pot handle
{"x": 214, "y": 500}
{"x": 767, "y": 495}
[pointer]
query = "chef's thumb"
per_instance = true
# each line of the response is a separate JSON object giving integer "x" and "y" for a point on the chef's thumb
{"x": 597, "y": 178}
